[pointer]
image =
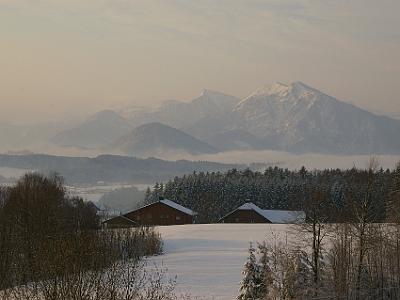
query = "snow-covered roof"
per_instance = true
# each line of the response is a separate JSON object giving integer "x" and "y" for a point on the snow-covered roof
{"x": 178, "y": 207}
{"x": 120, "y": 217}
{"x": 276, "y": 216}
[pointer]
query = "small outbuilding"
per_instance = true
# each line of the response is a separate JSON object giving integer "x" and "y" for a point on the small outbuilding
{"x": 251, "y": 213}
{"x": 163, "y": 212}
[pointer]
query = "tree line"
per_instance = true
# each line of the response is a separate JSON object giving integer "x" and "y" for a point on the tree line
{"x": 214, "y": 194}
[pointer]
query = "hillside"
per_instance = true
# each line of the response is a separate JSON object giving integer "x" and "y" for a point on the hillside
{"x": 182, "y": 115}
{"x": 299, "y": 118}
{"x": 237, "y": 139}
{"x": 154, "y": 139}
{"x": 98, "y": 131}
{"x": 291, "y": 117}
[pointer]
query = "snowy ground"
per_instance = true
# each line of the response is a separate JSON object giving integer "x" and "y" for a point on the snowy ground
{"x": 208, "y": 259}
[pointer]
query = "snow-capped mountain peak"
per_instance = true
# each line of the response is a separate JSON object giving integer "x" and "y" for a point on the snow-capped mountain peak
{"x": 279, "y": 89}
{"x": 293, "y": 94}
{"x": 297, "y": 117}
{"x": 207, "y": 92}
{"x": 276, "y": 89}
{"x": 292, "y": 117}
{"x": 215, "y": 98}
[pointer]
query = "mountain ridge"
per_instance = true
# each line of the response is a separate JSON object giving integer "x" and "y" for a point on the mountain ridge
{"x": 291, "y": 117}
{"x": 302, "y": 119}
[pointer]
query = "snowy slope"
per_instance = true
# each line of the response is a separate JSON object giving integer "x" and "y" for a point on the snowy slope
{"x": 208, "y": 259}
{"x": 98, "y": 131}
{"x": 299, "y": 118}
{"x": 286, "y": 117}
{"x": 182, "y": 115}
{"x": 290, "y": 117}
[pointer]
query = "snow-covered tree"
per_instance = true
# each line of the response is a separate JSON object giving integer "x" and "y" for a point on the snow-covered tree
{"x": 250, "y": 284}
{"x": 267, "y": 289}
{"x": 147, "y": 196}
{"x": 303, "y": 281}
{"x": 274, "y": 188}
{"x": 297, "y": 281}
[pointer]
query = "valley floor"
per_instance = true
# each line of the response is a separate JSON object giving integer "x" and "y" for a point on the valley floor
{"x": 208, "y": 259}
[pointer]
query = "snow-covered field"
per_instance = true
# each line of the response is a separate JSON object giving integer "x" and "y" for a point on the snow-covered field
{"x": 208, "y": 259}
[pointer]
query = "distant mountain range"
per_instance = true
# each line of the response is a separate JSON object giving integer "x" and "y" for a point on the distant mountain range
{"x": 294, "y": 118}
{"x": 183, "y": 115}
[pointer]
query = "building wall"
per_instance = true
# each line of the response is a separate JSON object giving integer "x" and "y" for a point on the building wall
{"x": 159, "y": 214}
{"x": 244, "y": 216}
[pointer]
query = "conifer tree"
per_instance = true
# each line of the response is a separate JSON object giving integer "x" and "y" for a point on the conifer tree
{"x": 249, "y": 286}
{"x": 266, "y": 276}
{"x": 147, "y": 196}
{"x": 303, "y": 282}
{"x": 297, "y": 279}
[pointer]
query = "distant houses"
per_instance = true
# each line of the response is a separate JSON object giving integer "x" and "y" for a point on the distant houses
{"x": 251, "y": 213}
{"x": 163, "y": 212}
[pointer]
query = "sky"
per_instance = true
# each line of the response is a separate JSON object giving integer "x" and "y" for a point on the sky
{"x": 63, "y": 58}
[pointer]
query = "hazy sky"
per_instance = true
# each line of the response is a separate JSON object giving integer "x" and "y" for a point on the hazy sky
{"x": 60, "y": 55}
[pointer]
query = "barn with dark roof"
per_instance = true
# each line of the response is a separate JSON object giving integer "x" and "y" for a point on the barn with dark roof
{"x": 251, "y": 213}
{"x": 163, "y": 212}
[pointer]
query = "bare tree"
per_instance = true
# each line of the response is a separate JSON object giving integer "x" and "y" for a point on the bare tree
{"x": 364, "y": 214}
{"x": 394, "y": 201}
{"x": 318, "y": 213}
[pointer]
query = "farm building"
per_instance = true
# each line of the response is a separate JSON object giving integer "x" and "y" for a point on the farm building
{"x": 163, "y": 212}
{"x": 251, "y": 213}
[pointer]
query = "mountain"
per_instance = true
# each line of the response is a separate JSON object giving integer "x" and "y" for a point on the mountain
{"x": 210, "y": 104}
{"x": 290, "y": 117}
{"x": 156, "y": 138}
{"x": 299, "y": 118}
{"x": 98, "y": 131}
{"x": 237, "y": 139}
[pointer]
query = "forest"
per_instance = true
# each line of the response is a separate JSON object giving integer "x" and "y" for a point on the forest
{"x": 214, "y": 194}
